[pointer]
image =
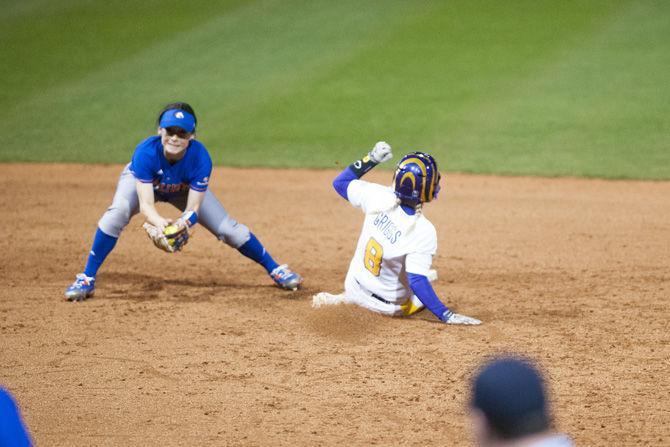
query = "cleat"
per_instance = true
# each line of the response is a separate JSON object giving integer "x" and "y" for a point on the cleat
{"x": 82, "y": 288}
{"x": 285, "y": 278}
{"x": 327, "y": 299}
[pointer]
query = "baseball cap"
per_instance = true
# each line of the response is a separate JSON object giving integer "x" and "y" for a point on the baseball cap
{"x": 178, "y": 118}
{"x": 510, "y": 393}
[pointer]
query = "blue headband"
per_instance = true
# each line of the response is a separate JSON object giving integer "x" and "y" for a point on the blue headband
{"x": 178, "y": 118}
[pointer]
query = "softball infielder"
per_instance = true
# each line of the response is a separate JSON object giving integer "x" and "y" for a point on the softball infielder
{"x": 172, "y": 167}
{"x": 390, "y": 271}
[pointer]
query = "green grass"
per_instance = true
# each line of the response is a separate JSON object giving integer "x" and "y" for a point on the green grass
{"x": 576, "y": 88}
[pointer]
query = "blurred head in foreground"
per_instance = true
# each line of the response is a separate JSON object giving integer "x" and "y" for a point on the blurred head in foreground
{"x": 509, "y": 406}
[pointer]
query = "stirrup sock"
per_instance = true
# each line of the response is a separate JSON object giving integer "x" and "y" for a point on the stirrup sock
{"x": 103, "y": 244}
{"x": 253, "y": 249}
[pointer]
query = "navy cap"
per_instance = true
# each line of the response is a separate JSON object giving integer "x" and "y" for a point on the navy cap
{"x": 510, "y": 393}
{"x": 178, "y": 118}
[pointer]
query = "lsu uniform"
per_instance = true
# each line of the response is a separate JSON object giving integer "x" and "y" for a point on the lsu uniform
{"x": 392, "y": 244}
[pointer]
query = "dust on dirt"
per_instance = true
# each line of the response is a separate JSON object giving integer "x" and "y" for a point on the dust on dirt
{"x": 200, "y": 348}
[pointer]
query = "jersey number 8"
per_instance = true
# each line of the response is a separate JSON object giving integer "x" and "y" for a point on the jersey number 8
{"x": 373, "y": 257}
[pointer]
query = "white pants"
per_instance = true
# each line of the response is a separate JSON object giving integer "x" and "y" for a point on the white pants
{"x": 355, "y": 294}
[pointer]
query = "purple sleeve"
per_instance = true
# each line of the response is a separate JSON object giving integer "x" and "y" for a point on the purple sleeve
{"x": 341, "y": 182}
{"x": 424, "y": 291}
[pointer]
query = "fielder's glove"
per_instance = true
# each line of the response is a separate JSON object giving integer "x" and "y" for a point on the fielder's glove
{"x": 381, "y": 152}
{"x": 450, "y": 317}
{"x": 172, "y": 239}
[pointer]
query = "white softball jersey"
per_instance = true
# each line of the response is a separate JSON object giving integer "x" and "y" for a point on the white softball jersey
{"x": 391, "y": 243}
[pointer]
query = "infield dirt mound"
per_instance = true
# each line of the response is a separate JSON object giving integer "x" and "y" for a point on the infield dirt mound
{"x": 200, "y": 348}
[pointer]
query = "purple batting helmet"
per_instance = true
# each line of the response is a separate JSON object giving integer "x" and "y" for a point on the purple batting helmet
{"x": 416, "y": 178}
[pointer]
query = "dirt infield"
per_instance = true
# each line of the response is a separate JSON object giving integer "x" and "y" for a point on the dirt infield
{"x": 199, "y": 348}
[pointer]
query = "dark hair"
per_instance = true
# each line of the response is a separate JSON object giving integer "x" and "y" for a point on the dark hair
{"x": 179, "y": 106}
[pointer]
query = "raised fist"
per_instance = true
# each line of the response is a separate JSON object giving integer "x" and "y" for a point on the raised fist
{"x": 381, "y": 152}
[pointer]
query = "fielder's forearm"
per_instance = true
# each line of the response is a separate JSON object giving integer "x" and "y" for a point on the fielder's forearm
{"x": 190, "y": 215}
{"x": 145, "y": 195}
{"x": 149, "y": 211}
{"x": 194, "y": 200}
{"x": 424, "y": 291}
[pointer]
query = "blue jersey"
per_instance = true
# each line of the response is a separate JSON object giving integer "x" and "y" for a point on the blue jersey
{"x": 149, "y": 165}
{"x": 12, "y": 430}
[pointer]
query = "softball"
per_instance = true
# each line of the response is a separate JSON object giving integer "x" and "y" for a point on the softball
{"x": 169, "y": 231}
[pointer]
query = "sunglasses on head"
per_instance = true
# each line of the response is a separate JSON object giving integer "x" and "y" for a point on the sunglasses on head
{"x": 178, "y": 131}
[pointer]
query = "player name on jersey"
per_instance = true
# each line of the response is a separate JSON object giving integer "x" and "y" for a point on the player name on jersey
{"x": 387, "y": 227}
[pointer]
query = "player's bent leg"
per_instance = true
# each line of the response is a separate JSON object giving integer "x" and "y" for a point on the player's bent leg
{"x": 216, "y": 219}
{"x": 124, "y": 205}
{"x": 83, "y": 286}
{"x": 370, "y": 303}
{"x": 357, "y": 295}
{"x": 411, "y": 306}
